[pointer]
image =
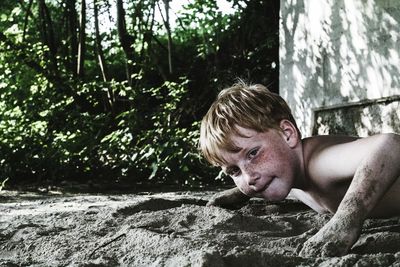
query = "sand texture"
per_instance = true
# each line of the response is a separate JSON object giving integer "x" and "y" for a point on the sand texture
{"x": 173, "y": 229}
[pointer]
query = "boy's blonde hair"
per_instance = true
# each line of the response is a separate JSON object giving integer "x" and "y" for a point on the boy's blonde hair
{"x": 248, "y": 106}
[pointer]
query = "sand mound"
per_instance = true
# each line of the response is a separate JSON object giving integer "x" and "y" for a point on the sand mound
{"x": 173, "y": 229}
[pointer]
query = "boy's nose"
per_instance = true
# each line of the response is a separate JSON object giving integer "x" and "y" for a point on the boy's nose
{"x": 252, "y": 179}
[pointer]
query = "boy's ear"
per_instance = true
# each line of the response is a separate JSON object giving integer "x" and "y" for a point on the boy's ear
{"x": 290, "y": 133}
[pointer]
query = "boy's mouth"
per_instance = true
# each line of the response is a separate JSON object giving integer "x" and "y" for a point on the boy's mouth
{"x": 263, "y": 188}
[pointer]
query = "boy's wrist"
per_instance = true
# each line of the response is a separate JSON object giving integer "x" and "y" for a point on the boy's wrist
{"x": 352, "y": 209}
{"x": 348, "y": 219}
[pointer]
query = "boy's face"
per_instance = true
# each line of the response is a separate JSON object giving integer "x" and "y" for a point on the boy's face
{"x": 266, "y": 164}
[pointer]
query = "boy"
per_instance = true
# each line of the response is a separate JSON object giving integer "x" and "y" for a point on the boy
{"x": 251, "y": 134}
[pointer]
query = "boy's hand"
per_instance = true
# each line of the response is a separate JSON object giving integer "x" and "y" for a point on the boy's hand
{"x": 334, "y": 239}
{"x": 230, "y": 198}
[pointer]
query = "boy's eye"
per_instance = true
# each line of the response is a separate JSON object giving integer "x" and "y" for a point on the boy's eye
{"x": 233, "y": 171}
{"x": 252, "y": 153}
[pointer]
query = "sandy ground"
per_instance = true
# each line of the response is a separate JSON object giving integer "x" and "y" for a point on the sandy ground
{"x": 172, "y": 229}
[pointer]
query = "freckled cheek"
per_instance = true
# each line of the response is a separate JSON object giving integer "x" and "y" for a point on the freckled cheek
{"x": 265, "y": 162}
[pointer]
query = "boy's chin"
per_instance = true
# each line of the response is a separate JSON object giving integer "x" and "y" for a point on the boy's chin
{"x": 274, "y": 196}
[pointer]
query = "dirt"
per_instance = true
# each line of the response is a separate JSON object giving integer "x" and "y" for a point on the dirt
{"x": 172, "y": 229}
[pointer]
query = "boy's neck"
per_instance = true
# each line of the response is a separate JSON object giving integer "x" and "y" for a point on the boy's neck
{"x": 301, "y": 181}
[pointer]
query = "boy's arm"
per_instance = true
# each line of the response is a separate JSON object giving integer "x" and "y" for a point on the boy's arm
{"x": 228, "y": 199}
{"x": 372, "y": 179}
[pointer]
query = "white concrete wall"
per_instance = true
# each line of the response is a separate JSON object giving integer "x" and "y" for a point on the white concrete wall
{"x": 337, "y": 51}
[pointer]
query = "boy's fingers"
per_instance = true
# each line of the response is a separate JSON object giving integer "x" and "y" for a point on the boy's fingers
{"x": 215, "y": 201}
{"x": 228, "y": 199}
{"x": 302, "y": 249}
{"x": 210, "y": 203}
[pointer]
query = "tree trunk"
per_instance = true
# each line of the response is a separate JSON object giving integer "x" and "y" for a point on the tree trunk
{"x": 27, "y": 14}
{"x": 167, "y": 27}
{"x": 72, "y": 29}
{"x": 99, "y": 48}
{"x": 126, "y": 40}
{"x": 82, "y": 37}
{"x": 48, "y": 33}
{"x": 108, "y": 99}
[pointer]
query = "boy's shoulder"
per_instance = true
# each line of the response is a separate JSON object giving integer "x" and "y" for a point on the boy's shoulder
{"x": 336, "y": 157}
{"x": 323, "y": 145}
{"x": 337, "y": 143}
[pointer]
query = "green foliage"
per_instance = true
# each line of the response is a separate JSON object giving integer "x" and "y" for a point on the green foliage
{"x": 164, "y": 153}
{"x": 56, "y": 125}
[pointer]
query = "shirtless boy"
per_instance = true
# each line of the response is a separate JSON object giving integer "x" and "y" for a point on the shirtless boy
{"x": 251, "y": 134}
